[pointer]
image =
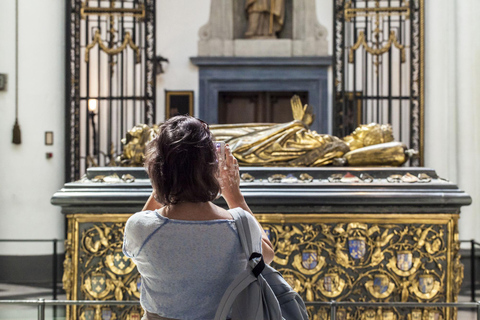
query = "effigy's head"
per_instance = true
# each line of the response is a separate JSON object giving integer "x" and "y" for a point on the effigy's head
{"x": 369, "y": 134}
{"x": 134, "y": 145}
{"x": 181, "y": 162}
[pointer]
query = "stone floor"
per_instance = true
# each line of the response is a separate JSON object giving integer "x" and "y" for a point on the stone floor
{"x": 22, "y": 292}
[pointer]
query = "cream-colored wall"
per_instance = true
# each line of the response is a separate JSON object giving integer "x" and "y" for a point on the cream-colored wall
{"x": 28, "y": 179}
{"x": 177, "y": 35}
{"x": 452, "y": 97}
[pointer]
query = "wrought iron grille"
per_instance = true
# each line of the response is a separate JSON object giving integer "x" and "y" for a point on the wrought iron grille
{"x": 378, "y": 67}
{"x": 111, "y": 78}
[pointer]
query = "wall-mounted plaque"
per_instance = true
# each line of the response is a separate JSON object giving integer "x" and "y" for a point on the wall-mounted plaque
{"x": 178, "y": 103}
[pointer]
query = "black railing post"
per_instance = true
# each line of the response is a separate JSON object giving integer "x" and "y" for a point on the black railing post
{"x": 54, "y": 275}
{"x": 472, "y": 271}
{"x": 333, "y": 310}
{"x": 41, "y": 309}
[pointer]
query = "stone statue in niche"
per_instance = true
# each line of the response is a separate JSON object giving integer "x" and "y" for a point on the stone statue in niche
{"x": 224, "y": 33}
{"x": 265, "y": 18}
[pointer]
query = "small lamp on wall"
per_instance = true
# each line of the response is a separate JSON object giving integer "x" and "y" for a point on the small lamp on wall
{"x": 92, "y": 112}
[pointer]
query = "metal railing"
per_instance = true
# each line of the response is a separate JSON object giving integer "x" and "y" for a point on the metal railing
{"x": 333, "y": 305}
{"x": 54, "y": 258}
{"x": 473, "y": 243}
{"x": 42, "y": 303}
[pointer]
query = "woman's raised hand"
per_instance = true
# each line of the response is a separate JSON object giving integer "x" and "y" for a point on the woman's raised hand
{"x": 229, "y": 177}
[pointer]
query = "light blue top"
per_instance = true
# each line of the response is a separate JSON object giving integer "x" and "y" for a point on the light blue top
{"x": 186, "y": 266}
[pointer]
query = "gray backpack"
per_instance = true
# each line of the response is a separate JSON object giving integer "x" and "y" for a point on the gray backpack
{"x": 259, "y": 292}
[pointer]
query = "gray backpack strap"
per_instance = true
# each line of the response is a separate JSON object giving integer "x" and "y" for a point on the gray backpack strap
{"x": 239, "y": 216}
{"x": 248, "y": 230}
{"x": 240, "y": 283}
{"x": 247, "y": 296}
{"x": 244, "y": 279}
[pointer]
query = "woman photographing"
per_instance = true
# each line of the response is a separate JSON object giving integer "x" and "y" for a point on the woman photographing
{"x": 185, "y": 247}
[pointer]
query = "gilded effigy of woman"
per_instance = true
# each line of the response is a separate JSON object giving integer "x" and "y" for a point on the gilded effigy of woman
{"x": 265, "y": 18}
{"x": 284, "y": 144}
{"x": 287, "y": 144}
{"x": 290, "y": 144}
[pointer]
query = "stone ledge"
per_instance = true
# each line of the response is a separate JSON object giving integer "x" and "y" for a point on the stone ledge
{"x": 262, "y": 61}
{"x": 263, "y": 48}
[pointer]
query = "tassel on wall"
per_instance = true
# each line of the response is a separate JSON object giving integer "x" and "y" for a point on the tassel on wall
{"x": 17, "y": 135}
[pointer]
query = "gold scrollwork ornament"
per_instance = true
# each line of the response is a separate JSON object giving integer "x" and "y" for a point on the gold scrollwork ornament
{"x": 97, "y": 38}
{"x": 342, "y": 314}
{"x": 284, "y": 239}
{"x": 135, "y": 286}
{"x": 247, "y": 177}
{"x": 67, "y": 278}
{"x": 293, "y": 281}
{"x": 389, "y": 315}
{"x": 134, "y": 315}
{"x": 416, "y": 314}
{"x": 102, "y": 233}
{"x": 322, "y": 314}
{"x": 369, "y": 314}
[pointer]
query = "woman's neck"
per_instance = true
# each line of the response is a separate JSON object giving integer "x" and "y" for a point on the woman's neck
{"x": 184, "y": 210}
{"x": 194, "y": 211}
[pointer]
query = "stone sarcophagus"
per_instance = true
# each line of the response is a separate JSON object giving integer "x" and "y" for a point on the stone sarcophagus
{"x": 345, "y": 234}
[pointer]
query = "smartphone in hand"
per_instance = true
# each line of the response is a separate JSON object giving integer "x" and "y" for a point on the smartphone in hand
{"x": 220, "y": 149}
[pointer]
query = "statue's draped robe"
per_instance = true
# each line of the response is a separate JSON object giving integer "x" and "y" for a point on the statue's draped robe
{"x": 286, "y": 144}
{"x": 259, "y": 12}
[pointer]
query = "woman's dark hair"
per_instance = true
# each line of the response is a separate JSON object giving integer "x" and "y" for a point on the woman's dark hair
{"x": 181, "y": 162}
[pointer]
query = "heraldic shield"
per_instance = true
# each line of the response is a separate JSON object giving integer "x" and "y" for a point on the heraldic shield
{"x": 425, "y": 283}
{"x": 99, "y": 283}
{"x": 309, "y": 259}
{"x": 380, "y": 283}
{"x": 329, "y": 282}
{"x": 404, "y": 260}
{"x": 106, "y": 314}
{"x": 88, "y": 314}
{"x": 331, "y": 285}
{"x": 357, "y": 247}
{"x": 119, "y": 263}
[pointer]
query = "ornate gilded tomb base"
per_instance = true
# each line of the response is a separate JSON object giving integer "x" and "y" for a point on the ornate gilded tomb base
{"x": 345, "y": 234}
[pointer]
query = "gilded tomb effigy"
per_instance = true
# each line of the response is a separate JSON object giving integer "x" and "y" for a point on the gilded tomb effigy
{"x": 349, "y": 233}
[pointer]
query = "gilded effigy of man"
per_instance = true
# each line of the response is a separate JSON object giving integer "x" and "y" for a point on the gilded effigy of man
{"x": 265, "y": 18}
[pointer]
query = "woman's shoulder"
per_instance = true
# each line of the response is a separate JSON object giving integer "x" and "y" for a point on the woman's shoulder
{"x": 143, "y": 220}
{"x": 137, "y": 229}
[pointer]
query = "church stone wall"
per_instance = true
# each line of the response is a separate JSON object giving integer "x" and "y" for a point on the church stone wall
{"x": 452, "y": 100}
{"x": 28, "y": 179}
